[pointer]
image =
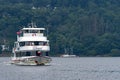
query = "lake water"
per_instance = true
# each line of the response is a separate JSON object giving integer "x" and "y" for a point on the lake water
{"x": 83, "y": 68}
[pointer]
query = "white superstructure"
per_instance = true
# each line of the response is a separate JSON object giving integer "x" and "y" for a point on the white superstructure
{"x": 32, "y": 46}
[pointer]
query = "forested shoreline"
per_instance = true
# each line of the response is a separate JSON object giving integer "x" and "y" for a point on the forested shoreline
{"x": 82, "y": 27}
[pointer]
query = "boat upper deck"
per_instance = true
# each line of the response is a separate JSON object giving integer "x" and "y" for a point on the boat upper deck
{"x": 32, "y": 33}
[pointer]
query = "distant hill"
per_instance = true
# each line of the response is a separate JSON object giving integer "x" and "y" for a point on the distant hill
{"x": 88, "y": 27}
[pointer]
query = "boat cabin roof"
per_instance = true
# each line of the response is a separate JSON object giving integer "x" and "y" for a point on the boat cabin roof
{"x": 33, "y": 29}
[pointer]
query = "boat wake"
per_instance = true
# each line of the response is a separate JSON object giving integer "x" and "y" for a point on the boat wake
{"x": 5, "y": 62}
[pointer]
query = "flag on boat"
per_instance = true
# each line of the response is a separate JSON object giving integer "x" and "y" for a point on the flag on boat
{"x": 19, "y": 32}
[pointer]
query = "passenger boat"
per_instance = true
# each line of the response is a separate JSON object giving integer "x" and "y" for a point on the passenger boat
{"x": 32, "y": 47}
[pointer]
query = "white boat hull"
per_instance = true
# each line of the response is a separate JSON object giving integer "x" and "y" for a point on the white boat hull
{"x": 33, "y": 60}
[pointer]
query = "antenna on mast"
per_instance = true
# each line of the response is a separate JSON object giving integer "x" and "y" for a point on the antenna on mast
{"x": 32, "y": 25}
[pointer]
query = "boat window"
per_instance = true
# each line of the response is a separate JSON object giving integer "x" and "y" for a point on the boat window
{"x": 26, "y": 31}
{"x": 44, "y": 43}
{"x": 32, "y": 31}
{"x": 27, "y": 43}
{"x": 36, "y": 43}
{"x": 22, "y": 43}
{"x": 41, "y": 31}
{"x": 28, "y": 54}
{"x": 40, "y": 43}
{"x": 18, "y": 55}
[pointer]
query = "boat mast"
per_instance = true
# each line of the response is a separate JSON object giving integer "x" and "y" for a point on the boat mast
{"x": 33, "y": 25}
